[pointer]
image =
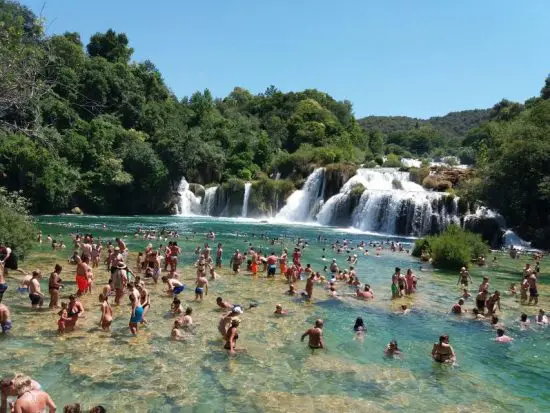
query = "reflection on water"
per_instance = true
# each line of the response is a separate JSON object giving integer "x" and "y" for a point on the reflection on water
{"x": 276, "y": 372}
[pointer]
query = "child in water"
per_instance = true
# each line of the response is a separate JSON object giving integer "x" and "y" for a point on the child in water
{"x": 63, "y": 318}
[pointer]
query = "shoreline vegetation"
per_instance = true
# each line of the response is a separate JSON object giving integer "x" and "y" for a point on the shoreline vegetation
{"x": 83, "y": 125}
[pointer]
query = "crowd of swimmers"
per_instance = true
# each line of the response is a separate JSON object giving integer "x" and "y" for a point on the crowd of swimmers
{"x": 154, "y": 264}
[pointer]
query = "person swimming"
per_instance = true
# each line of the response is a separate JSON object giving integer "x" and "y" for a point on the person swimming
{"x": 359, "y": 328}
{"x": 392, "y": 349}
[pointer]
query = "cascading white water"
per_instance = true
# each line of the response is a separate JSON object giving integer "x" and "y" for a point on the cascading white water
{"x": 244, "y": 211}
{"x": 188, "y": 204}
{"x": 391, "y": 203}
{"x": 209, "y": 202}
{"x": 301, "y": 204}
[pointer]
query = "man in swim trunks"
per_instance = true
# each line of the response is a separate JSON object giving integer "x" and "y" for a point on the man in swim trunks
{"x": 533, "y": 292}
{"x": 82, "y": 270}
{"x": 219, "y": 256}
{"x": 309, "y": 285}
{"x": 136, "y": 315}
{"x": 271, "y": 264}
{"x": 35, "y": 295}
{"x": 202, "y": 287}
{"x": 5, "y": 322}
{"x": 236, "y": 261}
{"x": 315, "y": 335}
{"x": 175, "y": 287}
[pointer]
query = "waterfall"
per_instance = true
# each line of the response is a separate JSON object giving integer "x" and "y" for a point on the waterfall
{"x": 391, "y": 204}
{"x": 301, "y": 204}
{"x": 247, "y": 187}
{"x": 188, "y": 203}
{"x": 209, "y": 203}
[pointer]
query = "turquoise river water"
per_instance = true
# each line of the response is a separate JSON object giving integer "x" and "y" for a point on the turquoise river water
{"x": 276, "y": 372}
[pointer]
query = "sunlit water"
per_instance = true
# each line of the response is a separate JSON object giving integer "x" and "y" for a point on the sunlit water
{"x": 277, "y": 373}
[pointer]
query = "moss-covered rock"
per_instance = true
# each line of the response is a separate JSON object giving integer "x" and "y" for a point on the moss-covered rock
{"x": 436, "y": 183}
{"x": 336, "y": 175}
{"x": 267, "y": 196}
{"x": 417, "y": 175}
{"x": 77, "y": 211}
{"x": 197, "y": 189}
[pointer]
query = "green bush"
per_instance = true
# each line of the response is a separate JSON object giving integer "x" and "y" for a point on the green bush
{"x": 453, "y": 248}
{"x": 417, "y": 175}
{"x": 420, "y": 245}
{"x": 16, "y": 225}
{"x": 392, "y": 161}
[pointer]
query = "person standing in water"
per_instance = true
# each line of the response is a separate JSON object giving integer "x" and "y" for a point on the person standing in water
{"x": 443, "y": 352}
{"x": 54, "y": 284}
{"x": 3, "y": 284}
{"x": 309, "y": 285}
{"x": 202, "y": 287}
{"x": 231, "y": 336}
{"x": 283, "y": 261}
{"x": 5, "y": 322}
{"x": 236, "y": 260}
{"x": 136, "y": 315}
{"x": 315, "y": 335}
{"x": 35, "y": 295}
{"x": 395, "y": 293}
{"x": 464, "y": 278}
{"x": 106, "y": 313}
{"x": 219, "y": 256}
{"x": 533, "y": 292}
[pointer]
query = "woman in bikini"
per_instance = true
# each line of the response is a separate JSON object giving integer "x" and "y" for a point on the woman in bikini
{"x": 443, "y": 352}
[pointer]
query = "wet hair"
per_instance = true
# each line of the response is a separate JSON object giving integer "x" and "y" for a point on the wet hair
{"x": 359, "y": 323}
{"x": 58, "y": 268}
{"x": 500, "y": 332}
{"x": 72, "y": 408}
{"x": 461, "y": 301}
{"x": 443, "y": 338}
{"x": 397, "y": 269}
{"x": 524, "y": 317}
{"x": 98, "y": 409}
{"x": 72, "y": 297}
{"x": 494, "y": 320}
{"x": 188, "y": 311}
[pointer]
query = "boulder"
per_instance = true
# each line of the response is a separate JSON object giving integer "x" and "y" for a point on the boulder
{"x": 77, "y": 211}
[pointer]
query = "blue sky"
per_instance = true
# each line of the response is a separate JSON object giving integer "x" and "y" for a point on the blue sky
{"x": 388, "y": 57}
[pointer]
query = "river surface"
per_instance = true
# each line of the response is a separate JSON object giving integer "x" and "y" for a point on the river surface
{"x": 276, "y": 372}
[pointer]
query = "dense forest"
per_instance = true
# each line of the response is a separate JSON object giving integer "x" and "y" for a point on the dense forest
{"x": 85, "y": 125}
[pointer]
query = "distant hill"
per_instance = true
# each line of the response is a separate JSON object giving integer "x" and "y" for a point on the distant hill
{"x": 451, "y": 126}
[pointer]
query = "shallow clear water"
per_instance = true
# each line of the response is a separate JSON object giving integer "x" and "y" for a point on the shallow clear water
{"x": 276, "y": 372}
